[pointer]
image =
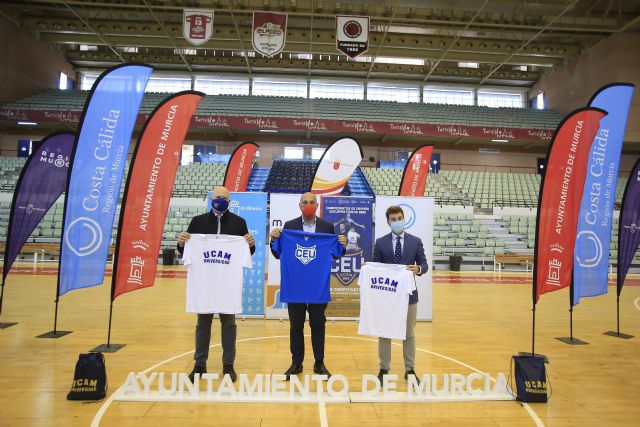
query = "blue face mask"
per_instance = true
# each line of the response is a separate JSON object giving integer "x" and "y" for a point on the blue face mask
{"x": 397, "y": 226}
{"x": 219, "y": 204}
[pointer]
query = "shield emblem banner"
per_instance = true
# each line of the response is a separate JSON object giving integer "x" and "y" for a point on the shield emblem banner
{"x": 197, "y": 25}
{"x": 352, "y": 35}
{"x": 269, "y": 32}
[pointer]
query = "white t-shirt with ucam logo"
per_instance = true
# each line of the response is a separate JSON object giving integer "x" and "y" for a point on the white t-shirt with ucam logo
{"x": 215, "y": 265}
{"x": 384, "y": 299}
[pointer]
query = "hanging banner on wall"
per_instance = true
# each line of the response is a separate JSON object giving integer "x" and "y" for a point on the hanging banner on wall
{"x": 41, "y": 182}
{"x": 559, "y": 200}
{"x": 629, "y": 223}
{"x": 97, "y": 166}
{"x": 414, "y": 177}
{"x": 336, "y": 166}
{"x": 239, "y": 167}
{"x": 197, "y": 25}
{"x": 153, "y": 170}
{"x": 269, "y": 32}
{"x": 418, "y": 217}
{"x": 352, "y": 35}
{"x": 593, "y": 240}
{"x": 282, "y": 208}
{"x": 253, "y": 208}
{"x": 352, "y": 218}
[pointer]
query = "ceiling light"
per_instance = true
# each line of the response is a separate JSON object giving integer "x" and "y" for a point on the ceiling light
{"x": 27, "y": 124}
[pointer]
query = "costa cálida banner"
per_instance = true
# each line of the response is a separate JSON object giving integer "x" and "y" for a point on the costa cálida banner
{"x": 153, "y": 170}
{"x": 97, "y": 165}
{"x": 414, "y": 177}
{"x": 336, "y": 166}
{"x": 269, "y": 32}
{"x": 197, "y": 25}
{"x": 629, "y": 223}
{"x": 559, "y": 200}
{"x": 352, "y": 217}
{"x": 41, "y": 182}
{"x": 352, "y": 35}
{"x": 238, "y": 171}
{"x": 593, "y": 240}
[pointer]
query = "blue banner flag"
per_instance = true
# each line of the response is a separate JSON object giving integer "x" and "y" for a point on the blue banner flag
{"x": 629, "y": 232}
{"x": 42, "y": 181}
{"x": 593, "y": 238}
{"x": 97, "y": 167}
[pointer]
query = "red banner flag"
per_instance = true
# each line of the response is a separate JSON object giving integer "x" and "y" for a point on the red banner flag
{"x": 236, "y": 177}
{"x": 414, "y": 177}
{"x": 146, "y": 197}
{"x": 559, "y": 200}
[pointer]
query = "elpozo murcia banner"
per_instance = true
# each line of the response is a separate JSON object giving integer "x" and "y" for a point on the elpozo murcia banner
{"x": 269, "y": 33}
{"x": 335, "y": 167}
{"x": 352, "y": 35}
{"x": 197, "y": 25}
{"x": 97, "y": 167}
{"x": 154, "y": 166}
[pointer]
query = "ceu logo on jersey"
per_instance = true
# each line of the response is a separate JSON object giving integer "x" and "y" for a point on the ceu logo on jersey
{"x": 305, "y": 254}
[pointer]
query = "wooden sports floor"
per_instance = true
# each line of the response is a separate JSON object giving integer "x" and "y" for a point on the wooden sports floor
{"x": 480, "y": 320}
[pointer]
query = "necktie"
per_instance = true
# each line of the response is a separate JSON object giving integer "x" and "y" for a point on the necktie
{"x": 398, "y": 252}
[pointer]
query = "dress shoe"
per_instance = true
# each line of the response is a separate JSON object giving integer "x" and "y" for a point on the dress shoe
{"x": 381, "y": 374}
{"x": 228, "y": 369}
{"x": 294, "y": 369}
{"x": 320, "y": 369}
{"x": 197, "y": 369}
{"x": 413, "y": 373}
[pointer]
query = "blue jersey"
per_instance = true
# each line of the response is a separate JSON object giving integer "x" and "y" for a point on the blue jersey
{"x": 305, "y": 265}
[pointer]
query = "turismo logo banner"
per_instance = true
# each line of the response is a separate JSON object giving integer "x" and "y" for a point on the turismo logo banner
{"x": 269, "y": 32}
{"x": 42, "y": 181}
{"x": 352, "y": 218}
{"x": 238, "y": 171}
{"x": 414, "y": 177}
{"x": 352, "y": 35}
{"x": 153, "y": 171}
{"x": 95, "y": 177}
{"x": 336, "y": 165}
{"x": 197, "y": 25}
{"x": 253, "y": 208}
{"x": 629, "y": 234}
{"x": 593, "y": 240}
{"x": 560, "y": 196}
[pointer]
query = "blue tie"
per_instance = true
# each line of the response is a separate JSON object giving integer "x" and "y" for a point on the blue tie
{"x": 398, "y": 252}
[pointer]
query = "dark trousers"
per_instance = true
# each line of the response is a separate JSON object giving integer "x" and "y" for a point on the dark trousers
{"x": 203, "y": 337}
{"x": 317, "y": 320}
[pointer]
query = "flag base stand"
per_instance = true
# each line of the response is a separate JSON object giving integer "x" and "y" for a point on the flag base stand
{"x": 572, "y": 341}
{"x": 107, "y": 348}
{"x": 618, "y": 335}
{"x": 528, "y": 353}
{"x": 5, "y": 325}
{"x": 54, "y": 334}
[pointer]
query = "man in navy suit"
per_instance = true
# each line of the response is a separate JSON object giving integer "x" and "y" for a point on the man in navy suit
{"x": 400, "y": 247}
{"x": 310, "y": 223}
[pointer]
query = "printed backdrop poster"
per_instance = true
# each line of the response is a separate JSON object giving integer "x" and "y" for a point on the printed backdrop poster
{"x": 283, "y": 207}
{"x": 353, "y": 218}
{"x": 253, "y": 208}
{"x": 418, "y": 216}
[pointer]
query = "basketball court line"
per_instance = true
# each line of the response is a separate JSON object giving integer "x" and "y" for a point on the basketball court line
{"x": 321, "y": 405}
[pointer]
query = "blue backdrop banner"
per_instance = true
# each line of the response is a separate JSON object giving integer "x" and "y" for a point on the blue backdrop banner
{"x": 353, "y": 218}
{"x": 593, "y": 238}
{"x": 97, "y": 166}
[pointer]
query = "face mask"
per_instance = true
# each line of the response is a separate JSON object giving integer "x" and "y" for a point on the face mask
{"x": 308, "y": 210}
{"x": 397, "y": 226}
{"x": 219, "y": 204}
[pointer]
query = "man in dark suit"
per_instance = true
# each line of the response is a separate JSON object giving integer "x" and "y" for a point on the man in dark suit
{"x": 400, "y": 247}
{"x": 310, "y": 223}
{"x": 218, "y": 221}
